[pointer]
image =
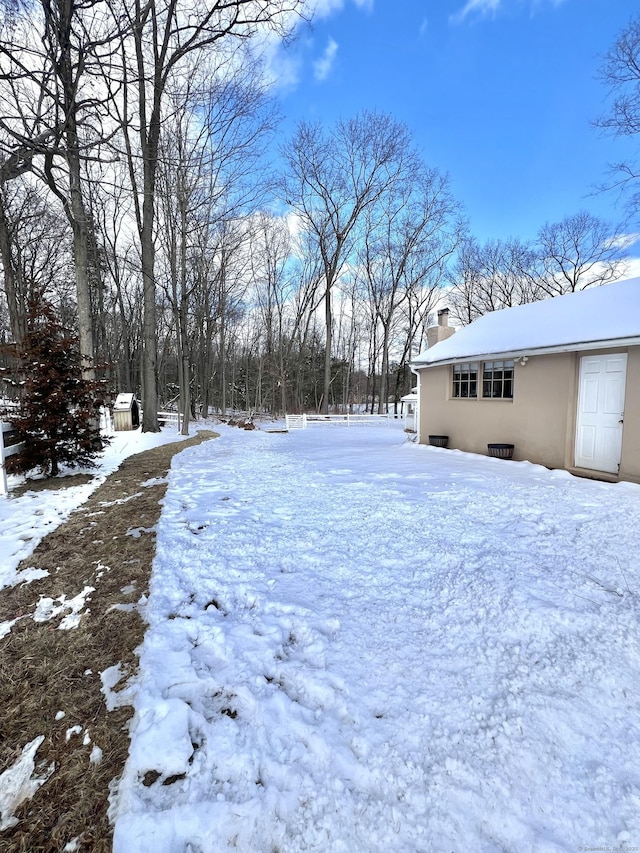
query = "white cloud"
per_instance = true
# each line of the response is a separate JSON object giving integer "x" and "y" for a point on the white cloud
{"x": 482, "y": 7}
{"x": 322, "y": 67}
{"x": 424, "y": 26}
{"x": 324, "y": 8}
{"x": 627, "y": 240}
{"x": 282, "y": 68}
{"x": 633, "y": 268}
{"x": 283, "y": 62}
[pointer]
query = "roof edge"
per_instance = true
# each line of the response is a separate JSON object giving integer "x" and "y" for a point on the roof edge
{"x": 610, "y": 343}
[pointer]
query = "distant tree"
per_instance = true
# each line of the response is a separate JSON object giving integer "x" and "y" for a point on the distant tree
{"x": 333, "y": 177}
{"x": 270, "y": 249}
{"x": 409, "y": 236}
{"x": 57, "y": 415}
{"x": 35, "y": 251}
{"x": 496, "y": 274}
{"x": 580, "y": 251}
{"x": 163, "y": 45}
{"x": 51, "y": 118}
{"x": 620, "y": 71}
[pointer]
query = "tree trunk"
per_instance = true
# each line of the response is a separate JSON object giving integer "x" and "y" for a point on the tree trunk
{"x": 184, "y": 370}
{"x": 125, "y": 365}
{"x": 76, "y": 209}
{"x": 81, "y": 258}
{"x": 384, "y": 372}
{"x": 12, "y": 289}
{"x": 183, "y": 328}
{"x": 327, "y": 353}
{"x": 149, "y": 144}
{"x": 223, "y": 372}
{"x": 149, "y": 331}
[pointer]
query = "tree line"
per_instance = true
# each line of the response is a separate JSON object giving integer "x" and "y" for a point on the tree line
{"x": 137, "y": 199}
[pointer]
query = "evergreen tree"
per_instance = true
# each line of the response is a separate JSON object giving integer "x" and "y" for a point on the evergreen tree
{"x": 58, "y": 415}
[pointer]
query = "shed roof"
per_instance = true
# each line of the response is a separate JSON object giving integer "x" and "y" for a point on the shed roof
{"x": 123, "y": 402}
{"x": 590, "y": 319}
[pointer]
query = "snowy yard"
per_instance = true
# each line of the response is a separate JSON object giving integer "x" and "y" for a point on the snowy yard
{"x": 26, "y": 519}
{"x": 359, "y": 644}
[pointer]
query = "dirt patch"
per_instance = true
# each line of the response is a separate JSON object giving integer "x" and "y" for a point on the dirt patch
{"x": 99, "y": 564}
{"x": 51, "y": 483}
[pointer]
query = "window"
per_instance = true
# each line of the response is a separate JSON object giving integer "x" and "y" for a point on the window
{"x": 497, "y": 379}
{"x": 465, "y": 380}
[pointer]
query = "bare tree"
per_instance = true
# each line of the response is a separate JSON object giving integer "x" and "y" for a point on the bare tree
{"x": 580, "y": 251}
{"x": 164, "y": 43}
{"x": 333, "y": 178}
{"x": 407, "y": 240}
{"x": 13, "y": 286}
{"x": 111, "y": 205}
{"x": 208, "y": 173}
{"x": 620, "y": 71}
{"x": 270, "y": 250}
{"x": 36, "y": 253}
{"x": 498, "y": 274}
{"x": 51, "y": 118}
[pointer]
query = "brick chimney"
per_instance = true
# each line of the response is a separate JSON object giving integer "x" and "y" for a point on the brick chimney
{"x": 442, "y": 331}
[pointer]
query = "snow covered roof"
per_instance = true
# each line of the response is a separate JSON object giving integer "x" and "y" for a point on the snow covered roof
{"x": 123, "y": 402}
{"x": 590, "y": 319}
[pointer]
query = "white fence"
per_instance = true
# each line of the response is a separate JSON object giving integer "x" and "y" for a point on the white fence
{"x": 170, "y": 418}
{"x": 296, "y": 421}
{"x": 303, "y": 421}
{"x": 5, "y": 429}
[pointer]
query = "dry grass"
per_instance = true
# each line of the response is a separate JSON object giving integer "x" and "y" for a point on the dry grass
{"x": 44, "y": 670}
{"x": 45, "y": 483}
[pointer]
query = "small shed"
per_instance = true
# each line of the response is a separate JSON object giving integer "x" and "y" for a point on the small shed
{"x": 409, "y": 410}
{"x": 126, "y": 413}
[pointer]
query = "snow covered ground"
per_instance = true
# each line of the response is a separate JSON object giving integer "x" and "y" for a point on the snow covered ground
{"x": 359, "y": 644}
{"x": 25, "y": 520}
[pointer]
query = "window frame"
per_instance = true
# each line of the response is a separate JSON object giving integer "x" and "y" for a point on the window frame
{"x": 467, "y": 380}
{"x": 498, "y": 378}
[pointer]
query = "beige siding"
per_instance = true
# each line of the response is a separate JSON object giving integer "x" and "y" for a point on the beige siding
{"x": 540, "y": 420}
{"x": 630, "y": 466}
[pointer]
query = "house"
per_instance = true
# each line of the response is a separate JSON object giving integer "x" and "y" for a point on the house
{"x": 558, "y": 379}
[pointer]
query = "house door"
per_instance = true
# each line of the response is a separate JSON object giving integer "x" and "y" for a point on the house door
{"x": 600, "y": 412}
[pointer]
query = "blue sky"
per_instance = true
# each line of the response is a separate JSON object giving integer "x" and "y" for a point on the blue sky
{"x": 498, "y": 93}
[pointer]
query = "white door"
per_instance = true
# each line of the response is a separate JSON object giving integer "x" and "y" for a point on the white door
{"x": 601, "y": 412}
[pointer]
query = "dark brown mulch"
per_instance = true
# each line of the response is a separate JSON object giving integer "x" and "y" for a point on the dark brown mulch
{"x": 44, "y": 670}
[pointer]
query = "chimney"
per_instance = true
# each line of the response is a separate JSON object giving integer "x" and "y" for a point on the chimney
{"x": 442, "y": 331}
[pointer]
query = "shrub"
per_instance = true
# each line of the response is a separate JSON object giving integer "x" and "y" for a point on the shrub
{"x": 58, "y": 414}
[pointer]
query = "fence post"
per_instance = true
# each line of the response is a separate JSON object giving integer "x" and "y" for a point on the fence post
{"x": 3, "y": 477}
{"x": 4, "y": 452}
